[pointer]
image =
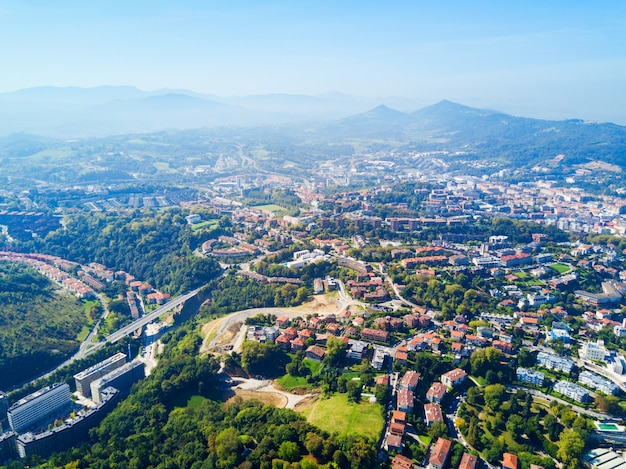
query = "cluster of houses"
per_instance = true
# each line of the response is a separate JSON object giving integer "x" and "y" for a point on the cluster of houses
{"x": 92, "y": 278}
{"x": 405, "y": 401}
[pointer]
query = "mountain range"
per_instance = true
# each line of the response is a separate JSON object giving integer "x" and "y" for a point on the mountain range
{"x": 87, "y": 112}
{"x": 333, "y": 117}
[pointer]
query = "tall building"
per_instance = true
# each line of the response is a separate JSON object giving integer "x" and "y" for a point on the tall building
{"x": 86, "y": 377}
{"x": 121, "y": 378}
{"x": 38, "y": 405}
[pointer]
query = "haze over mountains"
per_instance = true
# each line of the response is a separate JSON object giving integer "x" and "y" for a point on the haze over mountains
{"x": 87, "y": 112}
{"x": 70, "y": 113}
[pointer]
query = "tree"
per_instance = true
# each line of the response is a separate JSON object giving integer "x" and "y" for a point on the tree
{"x": 382, "y": 393}
{"x": 571, "y": 447}
{"x": 494, "y": 394}
{"x": 289, "y": 451}
{"x": 515, "y": 425}
{"x": 227, "y": 446}
{"x": 335, "y": 352}
{"x": 353, "y": 389}
{"x": 608, "y": 404}
{"x": 437, "y": 429}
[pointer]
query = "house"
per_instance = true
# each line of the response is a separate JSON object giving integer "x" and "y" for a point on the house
{"x": 432, "y": 413}
{"x": 383, "y": 380}
{"x": 453, "y": 378}
{"x": 283, "y": 342}
{"x": 409, "y": 380}
{"x": 315, "y": 353}
{"x": 440, "y": 454}
{"x": 405, "y": 401}
{"x": 436, "y": 392}
{"x": 401, "y": 462}
{"x": 509, "y": 461}
{"x": 398, "y": 416}
{"x": 468, "y": 461}
{"x": 374, "y": 335}
{"x": 291, "y": 332}
{"x": 357, "y": 349}
{"x": 394, "y": 442}
{"x": 282, "y": 321}
{"x": 401, "y": 357}
{"x": 504, "y": 347}
{"x": 297, "y": 344}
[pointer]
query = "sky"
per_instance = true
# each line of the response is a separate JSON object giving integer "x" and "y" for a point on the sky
{"x": 548, "y": 59}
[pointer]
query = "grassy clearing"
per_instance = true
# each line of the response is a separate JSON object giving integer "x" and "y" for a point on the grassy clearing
{"x": 275, "y": 209}
{"x": 289, "y": 383}
{"x": 84, "y": 332}
{"x": 560, "y": 268}
{"x": 337, "y": 414}
{"x": 424, "y": 439}
{"x": 204, "y": 224}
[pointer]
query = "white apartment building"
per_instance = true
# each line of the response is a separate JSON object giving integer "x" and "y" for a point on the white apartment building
{"x": 38, "y": 405}
{"x": 526, "y": 375}
{"x": 593, "y": 351}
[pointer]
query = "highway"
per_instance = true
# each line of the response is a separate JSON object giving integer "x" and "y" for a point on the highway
{"x": 135, "y": 325}
{"x": 148, "y": 318}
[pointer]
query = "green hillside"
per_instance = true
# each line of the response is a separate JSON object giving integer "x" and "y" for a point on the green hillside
{"x": 39, "y": 323}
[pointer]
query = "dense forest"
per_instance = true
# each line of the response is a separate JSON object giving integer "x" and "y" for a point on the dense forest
{"x": 156, "y": 247}
{"x": 39, "y": 324}
{"x": 158, "y": 427}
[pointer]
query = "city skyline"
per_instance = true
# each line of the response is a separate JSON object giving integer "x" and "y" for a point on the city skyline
{"x": 555, "y": 61}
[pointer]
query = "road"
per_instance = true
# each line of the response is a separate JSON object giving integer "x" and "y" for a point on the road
{"x": 575, "y": 408}
{"x": 137, "y": 324}
{"x": 241, "y": 316}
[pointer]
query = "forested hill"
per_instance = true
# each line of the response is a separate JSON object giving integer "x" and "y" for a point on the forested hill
{"x": 156, "y": 247}
{"x": 38, "y": 324}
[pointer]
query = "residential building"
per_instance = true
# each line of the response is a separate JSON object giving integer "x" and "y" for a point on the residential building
{"x": 529, "y": 376}
{"x": 432, "y": 413}
{"x": 121, "y": 379}
{"x": 409, "y": 380}
{"x": 72, "y": 432}
{"x": 436, "y": 392}
{"x": 453, "y": 378}
{"x": 400, "y": 461}
{"x": 378, "y": 359}
{"x": 315, "y": 353}
{"x": 554, "y": 362}
{"x": 598, "y": 383}
{"x": 573, "y": 391}
{"x": 375, "y": 335}
{"x": 440, "y": 454}
{"x": 468, "y": 461}
{"x": 405, "y": 401}
{"x": 509, "y": 461}
{"x": 84, "y": 379}
{"x": 38, "y": 405}
{"x": 357, "y": 349}
{"x": 593, "y": 351}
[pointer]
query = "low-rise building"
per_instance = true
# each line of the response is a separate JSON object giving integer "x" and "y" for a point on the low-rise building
{"x": 453, "y": 378}
{"x": 439, "y": 454}
{"x": 529, "y": 376}
{"x": 436, "y": 392}
{"x": 598, "y": 383}
{"x": 432, "y": 413}
{"x": 573, "y": 391}
{"x": 554, "y": 362}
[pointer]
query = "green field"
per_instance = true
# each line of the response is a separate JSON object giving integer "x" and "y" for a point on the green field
{"x": 560, "y": 268}
{"x": 275, "y": 209}
{"x": 290, "y": 383}
{"x": 204, "y": 224}
{"x": 336, "y": 414}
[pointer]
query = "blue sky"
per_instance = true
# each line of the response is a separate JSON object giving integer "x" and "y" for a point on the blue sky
{"x": 551, "y": 59}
